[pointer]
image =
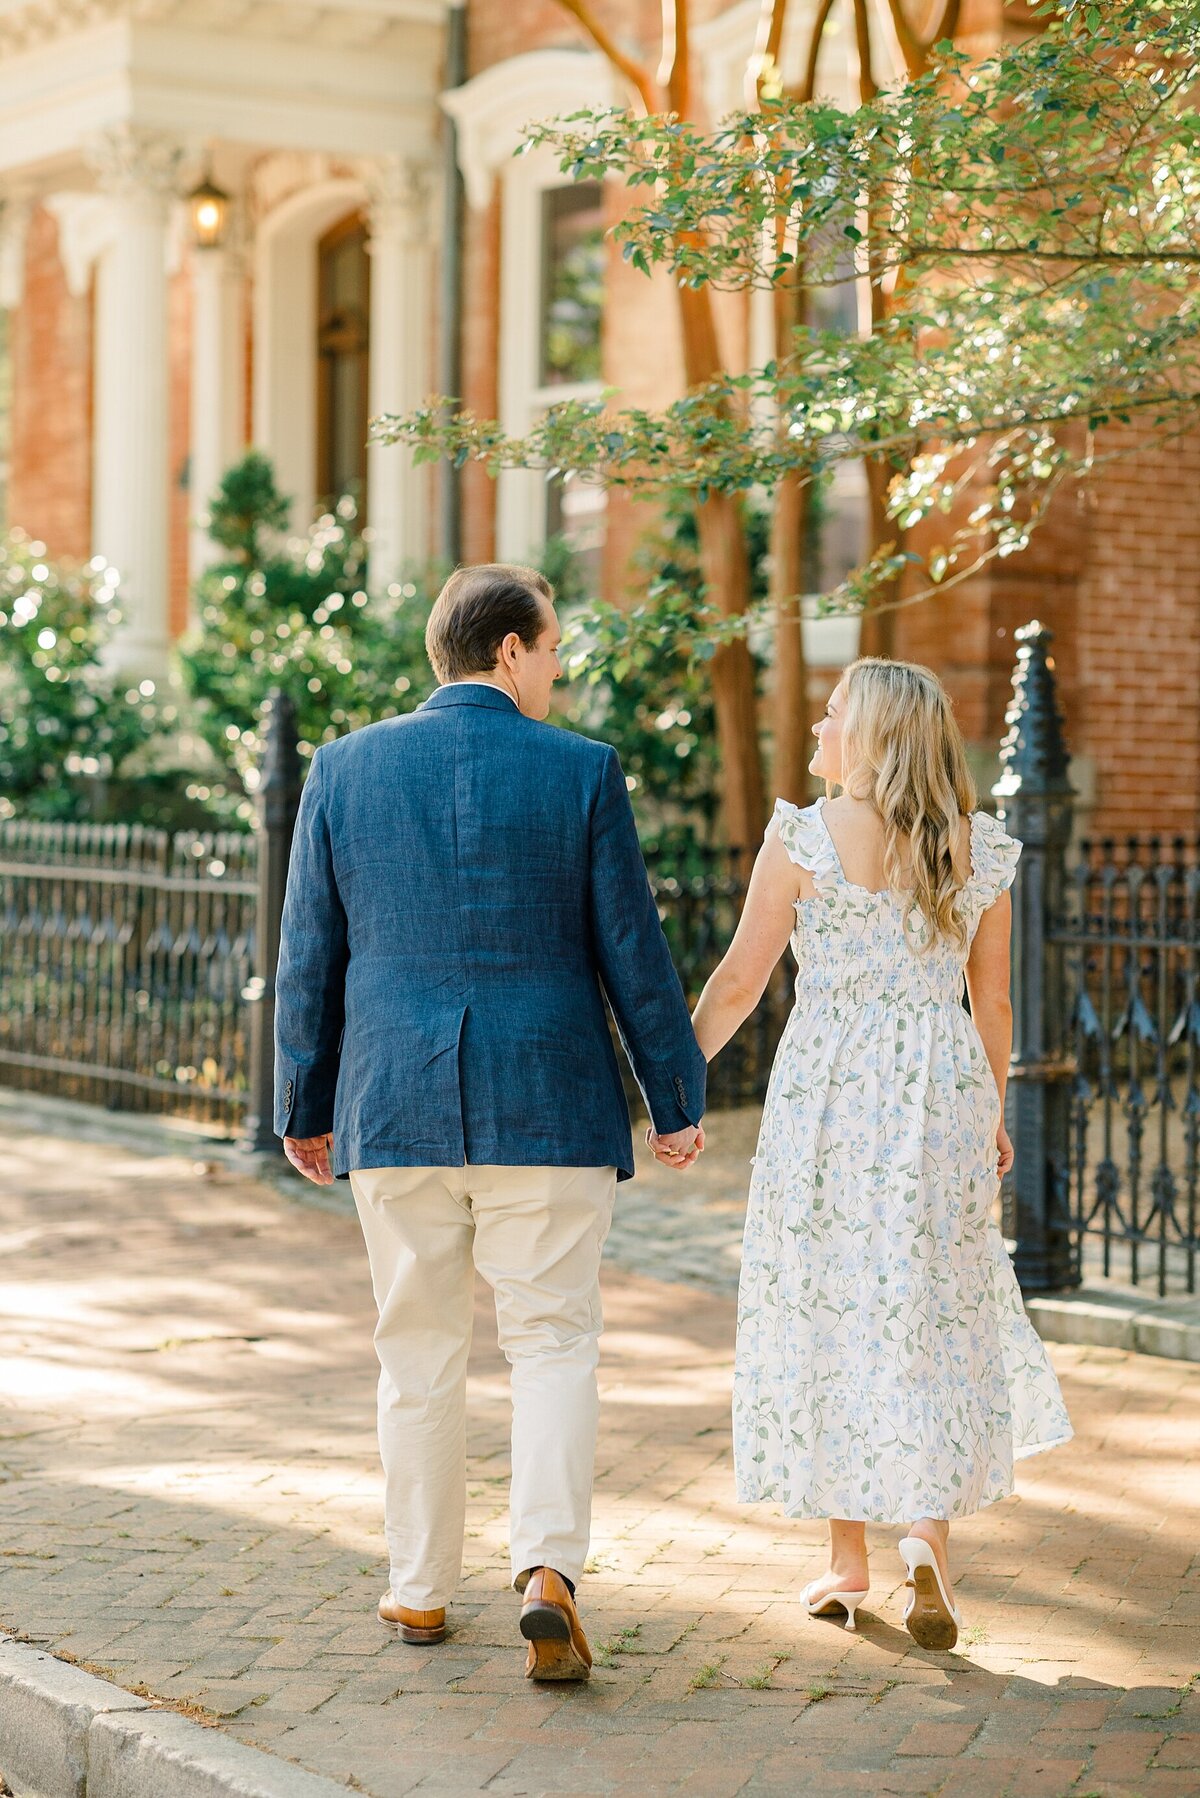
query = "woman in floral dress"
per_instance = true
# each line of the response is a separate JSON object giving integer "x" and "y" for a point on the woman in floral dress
{"x": 886, "y": 1371}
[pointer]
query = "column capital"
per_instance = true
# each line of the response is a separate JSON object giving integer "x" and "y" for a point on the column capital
{"x": 132, "y": 162}
{"x": 399, "y": 190}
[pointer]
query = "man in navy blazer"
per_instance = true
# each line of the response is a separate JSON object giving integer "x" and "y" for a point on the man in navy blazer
{"x": 465, "y": 889}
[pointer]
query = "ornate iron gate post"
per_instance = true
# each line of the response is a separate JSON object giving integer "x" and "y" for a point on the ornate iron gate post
{"x": 1036, "y": 803}
{"x": 278, "y": 801}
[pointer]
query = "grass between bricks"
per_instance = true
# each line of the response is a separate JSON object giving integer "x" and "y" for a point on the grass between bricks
{"x": 1172, "y": 1710}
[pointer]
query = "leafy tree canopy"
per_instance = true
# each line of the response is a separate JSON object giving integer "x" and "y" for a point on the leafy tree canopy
{"x": 1030, "y": 219}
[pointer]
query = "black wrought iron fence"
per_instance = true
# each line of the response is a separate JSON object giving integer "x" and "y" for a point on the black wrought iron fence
{"x": 137, "y": 968}
{"x": 699, "y": 916}
{"x": 125, "y": 957}
{"x": 1104, "y": 1096}
{"x": 128, "y": 973}
{"x": 1130, "y": 934}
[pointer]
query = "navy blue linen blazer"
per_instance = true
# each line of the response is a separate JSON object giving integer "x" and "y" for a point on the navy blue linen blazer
{"x": 463, "y": 882}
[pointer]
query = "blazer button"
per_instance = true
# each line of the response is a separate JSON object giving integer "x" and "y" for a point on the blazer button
{"x": 680, "y": 1091}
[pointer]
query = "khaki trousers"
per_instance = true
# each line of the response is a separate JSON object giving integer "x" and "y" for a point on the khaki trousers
{"x": 535, "y": 1234}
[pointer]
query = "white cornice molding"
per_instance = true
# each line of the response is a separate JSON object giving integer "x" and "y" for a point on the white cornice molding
{"x": 493, "y": 110}
{"x": 360, "y": 24}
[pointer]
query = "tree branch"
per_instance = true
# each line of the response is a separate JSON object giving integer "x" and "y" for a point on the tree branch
{"x": 808, "y": 81}
{"x": 946, "y": 26}
{"x": 638, "y": 78}
{"x": 767, "y": 40}
{"x": 911, "y": 47}
{"x": 868, "y": 89}
{"x": 674, "y": 69}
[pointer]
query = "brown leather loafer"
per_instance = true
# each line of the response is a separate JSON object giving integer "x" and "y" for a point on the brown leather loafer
{"x": 558, "y": 1648}
{"x": 414, "y": 1626}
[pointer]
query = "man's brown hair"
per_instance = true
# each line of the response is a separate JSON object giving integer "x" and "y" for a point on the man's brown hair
{"x": 474, "y": 612}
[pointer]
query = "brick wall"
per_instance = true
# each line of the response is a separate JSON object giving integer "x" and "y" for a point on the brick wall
{"x": 1137, "y": 712}
{"x": 50, "y": 490}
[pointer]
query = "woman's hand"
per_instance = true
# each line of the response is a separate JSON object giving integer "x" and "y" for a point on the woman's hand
{"x": 1005, "y": 1150}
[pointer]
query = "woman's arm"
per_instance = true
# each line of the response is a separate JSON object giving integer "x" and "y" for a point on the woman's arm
{"x": 988, "y": 986}
{"x": 767, "y": 921}
{"x": 991, "y": 1003}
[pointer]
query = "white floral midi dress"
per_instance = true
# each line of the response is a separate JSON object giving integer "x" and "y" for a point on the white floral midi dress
{"x": 886, "y": 1369}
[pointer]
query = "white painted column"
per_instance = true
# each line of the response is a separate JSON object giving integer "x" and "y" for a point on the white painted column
{"x": 218, "y": 387}
{"x": 398, "y": 494}
{"x": 137, "y": 172}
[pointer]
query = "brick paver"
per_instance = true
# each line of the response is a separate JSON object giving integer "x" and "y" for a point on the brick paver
{"x": 190, "y": 1503}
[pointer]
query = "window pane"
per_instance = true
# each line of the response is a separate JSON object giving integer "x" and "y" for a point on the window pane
{"x": 837, "y": 539}
{"x": 576, "y": 511}
{"x": 572, "y": 283}
{"x": 342, "y": 348}
{"x": 5, "y": 417}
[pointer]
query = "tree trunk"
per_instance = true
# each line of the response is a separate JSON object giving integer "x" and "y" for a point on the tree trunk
{"x": 793, "y": 748}
{"x": 877, "y": 636}
{"x": 789, "y": 535}
{"x": 725, "y": 566}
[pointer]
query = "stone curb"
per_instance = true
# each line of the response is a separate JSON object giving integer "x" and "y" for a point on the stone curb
{"x": 66, "y": 1734}
{"x": 1097, "y": 1318}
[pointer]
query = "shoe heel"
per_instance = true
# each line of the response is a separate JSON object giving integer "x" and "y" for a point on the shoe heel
{"x": 545, "y": 1623}
{"x": 930, "y": 1618}
{"x": 851, "y": 1606}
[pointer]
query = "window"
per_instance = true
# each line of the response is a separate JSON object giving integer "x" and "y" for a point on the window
{"x": 840, "y": 508}
{"x": 837, "y": 540}
{"x": 343, "y": 315}
{"x": 572, "y": 284}
{"x": 553, "y": 258}
{"x": 572, "y": 299}
{"x": 5, "y": 416}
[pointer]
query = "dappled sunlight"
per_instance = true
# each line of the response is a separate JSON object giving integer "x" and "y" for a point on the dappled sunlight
{"x": 191, "y": 1499}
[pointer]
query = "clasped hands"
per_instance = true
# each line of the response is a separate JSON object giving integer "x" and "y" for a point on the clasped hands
{"x": 309, "y": 1155}
{"x": 678, "y": 1148}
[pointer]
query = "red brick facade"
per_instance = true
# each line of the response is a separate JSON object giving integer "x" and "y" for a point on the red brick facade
{"x": 1115, "y": 570}
{"x": 50, "y": 486}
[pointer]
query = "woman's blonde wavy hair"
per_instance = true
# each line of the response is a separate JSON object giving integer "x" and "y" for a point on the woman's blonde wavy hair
{"x": 902, "y": 749}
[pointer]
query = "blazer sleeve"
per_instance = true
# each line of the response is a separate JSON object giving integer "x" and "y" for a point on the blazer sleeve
{"x": 311, "y": 978}
{"x": 635, "y": 964}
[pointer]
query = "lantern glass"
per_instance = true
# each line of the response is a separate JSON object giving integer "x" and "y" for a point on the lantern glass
{"x": 208, "y": 205}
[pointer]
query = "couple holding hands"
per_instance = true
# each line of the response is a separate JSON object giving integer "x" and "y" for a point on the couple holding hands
{"x": 466, "y": 889}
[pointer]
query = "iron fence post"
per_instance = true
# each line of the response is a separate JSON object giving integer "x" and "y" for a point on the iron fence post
{"x": 278, "y": 800}
{"x": 1036, "y": 803}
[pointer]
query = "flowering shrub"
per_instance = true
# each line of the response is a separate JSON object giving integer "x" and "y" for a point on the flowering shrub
{"x": 295, "y": 614}
{"x": 69, "y": 728}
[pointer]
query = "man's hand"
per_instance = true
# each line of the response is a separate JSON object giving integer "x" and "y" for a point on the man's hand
{"x": 680, "y": 1148}
{"x": 310, "y": 1154}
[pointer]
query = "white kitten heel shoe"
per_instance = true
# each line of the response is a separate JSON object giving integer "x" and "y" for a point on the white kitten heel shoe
{"x": 832, "y": 1603}
{"x": 932, "y": 1621}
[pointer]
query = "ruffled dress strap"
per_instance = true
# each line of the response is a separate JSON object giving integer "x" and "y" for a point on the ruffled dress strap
{"x": 994, "y": 858}
{"x": 805, "y": 835}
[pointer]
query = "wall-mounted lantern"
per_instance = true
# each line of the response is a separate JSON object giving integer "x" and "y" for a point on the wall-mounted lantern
{"x": 208, "y": 209}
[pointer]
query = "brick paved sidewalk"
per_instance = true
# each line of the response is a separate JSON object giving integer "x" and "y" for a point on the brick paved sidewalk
{"x": 190, "y": 1502}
